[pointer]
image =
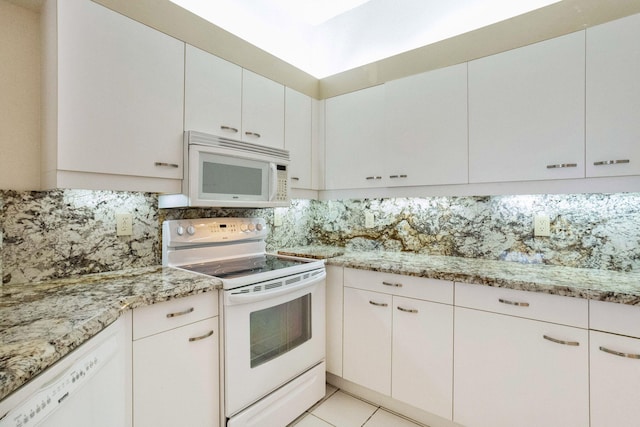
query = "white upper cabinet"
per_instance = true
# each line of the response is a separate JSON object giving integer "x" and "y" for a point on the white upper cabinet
{"x": 526, "y": 112}
{"x": 223, "y": 99}
{"x": 213, "y": 89}
{"x": 298, "y": 137}
{"x": 613, "y": 98}
{"x": 113, "y": 101}
{"x": 354, "y": 135}
{"x": 262, "y": 110}
{"x": 426, "y": 128}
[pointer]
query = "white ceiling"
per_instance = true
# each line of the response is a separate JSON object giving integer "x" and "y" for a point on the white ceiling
{"x": 326, "y": 37}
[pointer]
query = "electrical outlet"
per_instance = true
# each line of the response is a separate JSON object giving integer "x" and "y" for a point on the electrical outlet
{"x": 124, "y": 224}
{"x": 277, "y": 218}
{"x": 541, "y": 226}
{"x": 368, "y": 220}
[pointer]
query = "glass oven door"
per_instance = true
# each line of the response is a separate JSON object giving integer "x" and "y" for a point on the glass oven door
{"x": 272, "y": 338}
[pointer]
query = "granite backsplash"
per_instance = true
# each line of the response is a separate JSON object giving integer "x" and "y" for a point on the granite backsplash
{"x": 61, "y": 233}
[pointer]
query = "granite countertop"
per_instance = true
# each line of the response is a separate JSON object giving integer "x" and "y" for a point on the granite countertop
{"x": 602, "y": 285}
{"x": 42, "y": 322}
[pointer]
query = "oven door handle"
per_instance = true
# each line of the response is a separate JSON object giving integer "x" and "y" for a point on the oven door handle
{"x": 244, "y": 298}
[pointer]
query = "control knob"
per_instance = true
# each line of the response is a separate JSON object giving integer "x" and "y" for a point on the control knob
{"x": 259, "y": 227}
{"x": 191, "y": 230}
{"x": 252, "y": 227}
{"x": 180, "y": 230}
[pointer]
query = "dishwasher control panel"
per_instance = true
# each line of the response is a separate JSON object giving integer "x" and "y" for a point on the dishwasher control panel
{"x": 52, "y": 395}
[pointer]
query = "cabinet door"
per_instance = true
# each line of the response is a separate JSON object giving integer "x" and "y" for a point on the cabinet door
{"x": 262, "y": 110}
{"x": 120, "y": 94}
{"x": 615, "y": 375}
{"x": 507, "y": 374}
{"x": 213, "y": 91}
{"x": 176, "y": 378}
{"x": 526, "y": 112}
{"x": 426, "y": 128}
{"x": 354, "y": 140}
{"x": 613, "y": 98}
{"x": 297, "y": 137}
{"x": 367, "y": 339}
{"x": 334, "y": 319}
{"x": 422, "y": 370}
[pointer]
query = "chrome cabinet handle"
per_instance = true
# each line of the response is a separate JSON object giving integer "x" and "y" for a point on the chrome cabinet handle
{"x": 229, "y": 128}
{"x": 257, "y": 135}
{"x": 571, "y": 343}
{"x": 379, "y": 304}
{"x": 397, "y": 176}
{"x": 562, "y": 165}
{"x": 180, "y": 313}
{"x": 518, "y": 304}
{"x": 407, "y": 310}
{"x": 611, "y": 162}
{"x": 295, "y": 178}
{"x": 619, "y": 353}
{"x": 171, "y": 165}
{"x": 373, "y": 177}
{"x": 397, "y": 285}
{"x": 207, "y": 335}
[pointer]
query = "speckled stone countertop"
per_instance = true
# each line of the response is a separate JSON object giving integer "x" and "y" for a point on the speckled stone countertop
{"x": 42, "y": 322}
{"x": 602, "y": 285}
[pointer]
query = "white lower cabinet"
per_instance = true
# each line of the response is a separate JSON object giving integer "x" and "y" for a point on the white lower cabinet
{"x": 422, "y": 355}
{"x": 615, "y": 375}
{"x": 614, "y": 364}
{"x": 176, "y": 370}
{"x": 367, "y": 339}
{"x": 396, "y": 345}
{"x": 334, "y": 299}
{"x": 511, "y": 371}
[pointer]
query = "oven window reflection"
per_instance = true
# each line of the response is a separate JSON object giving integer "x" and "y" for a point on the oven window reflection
{"x": 277, "y": 330}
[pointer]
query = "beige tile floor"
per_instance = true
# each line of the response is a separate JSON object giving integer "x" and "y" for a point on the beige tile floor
{"x": 339, "y": 409}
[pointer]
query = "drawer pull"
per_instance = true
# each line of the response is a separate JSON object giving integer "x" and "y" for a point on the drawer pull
{"x": 621, "y": 354}
{"x": 170, "y": 165}
{"x": 207, "y": 335}
{"x": 396, "y": 285}
{"x": 571, "y": 343}
{"x": 180, "y": 313}
{"x": 373, "y": 177}
{"x": 256, "y": 134}
{"x": 397, "y": 176}
{"x": 518, "y": 304}
{"x": 562, "y": 165}
{"x": 407, "y": 310}
{"x": 295, "y": 178}
{"x": 611, "y": 162}
{"x": 229, "y": 128}
{"x": 379, "y": 304}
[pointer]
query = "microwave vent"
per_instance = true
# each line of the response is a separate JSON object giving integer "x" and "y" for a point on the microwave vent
{"x": 201, "y": 138}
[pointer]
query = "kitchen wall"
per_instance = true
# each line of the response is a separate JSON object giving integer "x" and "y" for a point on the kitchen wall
{"x": 20, "y": 97}
{"x": 52, "y": 234}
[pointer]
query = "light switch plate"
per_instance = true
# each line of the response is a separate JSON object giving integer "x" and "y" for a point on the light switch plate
{"x": 124, "y": 224}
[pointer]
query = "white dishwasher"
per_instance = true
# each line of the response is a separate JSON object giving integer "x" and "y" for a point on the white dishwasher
{"x": 88, "y": 387}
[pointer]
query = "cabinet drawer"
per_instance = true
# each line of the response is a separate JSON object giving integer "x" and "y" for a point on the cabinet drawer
{"x": 530, "y": 305}
{"x": 167, "y": 315}
{"x": 398, "y": 284}
{"x": 617, "y": 318}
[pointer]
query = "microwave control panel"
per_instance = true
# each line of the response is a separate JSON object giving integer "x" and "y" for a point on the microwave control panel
{"x": 282, "y": 191}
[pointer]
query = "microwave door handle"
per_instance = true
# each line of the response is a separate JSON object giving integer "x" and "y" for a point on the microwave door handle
{"x": 274, "y": 181}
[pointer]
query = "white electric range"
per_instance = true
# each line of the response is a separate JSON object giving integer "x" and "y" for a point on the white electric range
{"x": 272, "y": 314}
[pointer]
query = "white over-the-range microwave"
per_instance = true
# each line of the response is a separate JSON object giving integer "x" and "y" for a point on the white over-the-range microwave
{"x": 222, "y": 172}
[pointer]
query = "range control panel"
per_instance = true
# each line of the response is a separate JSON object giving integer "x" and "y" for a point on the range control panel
{"x": 213, "y": 230}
